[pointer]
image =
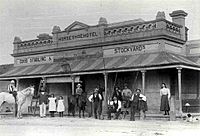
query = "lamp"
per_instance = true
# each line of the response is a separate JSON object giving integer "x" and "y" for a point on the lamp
{"x": 66, "y": 67}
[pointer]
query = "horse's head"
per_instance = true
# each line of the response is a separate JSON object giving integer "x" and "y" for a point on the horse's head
{"x": 32, "y": 89}
{"x": 29, "y": 91}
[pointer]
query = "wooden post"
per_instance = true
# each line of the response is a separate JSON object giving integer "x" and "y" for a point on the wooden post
{"x": 172, "y": 116}
{"x": 198, "y": 85}
{"x": 17, "y": 84}
{"x": 73, "y": 81}
{"x": 106, "y": 93}
{"x": 179, "y": 90}
{"x": 16, "y": 106}
{"x": 143, "y": 81}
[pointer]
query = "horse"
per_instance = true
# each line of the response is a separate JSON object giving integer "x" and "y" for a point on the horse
{"x": 21, "y": 97}
{"x": 71, "y": 105}
{"x": 81, "y": 103}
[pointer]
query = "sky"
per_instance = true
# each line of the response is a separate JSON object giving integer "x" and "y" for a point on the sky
{"x": 29, "y": 18}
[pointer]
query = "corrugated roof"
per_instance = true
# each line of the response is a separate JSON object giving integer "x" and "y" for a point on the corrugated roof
{"x": 88, "y": 65}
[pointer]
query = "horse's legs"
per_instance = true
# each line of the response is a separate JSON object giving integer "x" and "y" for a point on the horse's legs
{"x": 83, "y": 113}
{"x": 19, "y": 113}
{"x": 79, "y": 112}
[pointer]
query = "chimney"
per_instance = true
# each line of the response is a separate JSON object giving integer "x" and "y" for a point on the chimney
{"x": 178, "y": 17}
{"x": 102, "y": 21}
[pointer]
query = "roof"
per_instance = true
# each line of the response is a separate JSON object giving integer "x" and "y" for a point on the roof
{"x": 193, "y": 43}
{"x": 5, "y": 68}
{"x": 126, "y": 22}
{"x": 139, "y": 61}
{"x": 148, "y": 60}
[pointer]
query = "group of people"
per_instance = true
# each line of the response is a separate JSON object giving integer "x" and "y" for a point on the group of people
{"x": 136, "y": 101}
{"x": 55, "y": 105}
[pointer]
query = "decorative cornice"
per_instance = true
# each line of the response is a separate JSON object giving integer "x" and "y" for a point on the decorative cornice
{"x": 101, "y": 44}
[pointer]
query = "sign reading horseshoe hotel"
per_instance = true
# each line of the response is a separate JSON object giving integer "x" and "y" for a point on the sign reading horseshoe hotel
{"x": 79, "y": 36}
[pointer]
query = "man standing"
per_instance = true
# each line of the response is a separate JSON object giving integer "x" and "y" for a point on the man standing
{"x": 95, "y": 98}
{"x": 138, "y": 103}
{"x": 126, "y": 94}
{"x": 43, "y": 100}
{"x": 12, "y": 89}
{"x": 117, "y": 93}
{"x": 101, "y": 90}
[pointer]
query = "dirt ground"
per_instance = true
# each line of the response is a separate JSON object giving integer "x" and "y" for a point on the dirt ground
{"x": 69, "y": 126}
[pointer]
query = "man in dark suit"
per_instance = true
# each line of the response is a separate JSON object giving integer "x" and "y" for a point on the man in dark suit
{"x": 138, "y": 104}
{"x": 100, "y": 91}
{"x": 115, "y": 107}
{"x": 43, "y": 100}
{"x": 96, "y": 99}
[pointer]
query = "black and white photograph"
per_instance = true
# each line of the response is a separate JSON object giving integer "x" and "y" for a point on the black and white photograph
{"x": 99, "y": 68}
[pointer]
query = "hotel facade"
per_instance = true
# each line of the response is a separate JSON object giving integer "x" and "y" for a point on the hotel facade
{"x": 143, "y": 54}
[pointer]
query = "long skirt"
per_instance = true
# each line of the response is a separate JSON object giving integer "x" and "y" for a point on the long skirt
{"x": 164, "y": 106}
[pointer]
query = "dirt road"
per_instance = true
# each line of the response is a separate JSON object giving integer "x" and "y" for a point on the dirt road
{"x": 35, "y": 126}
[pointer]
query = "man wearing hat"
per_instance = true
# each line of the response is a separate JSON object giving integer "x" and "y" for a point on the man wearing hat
{"x": 43, "y": 100}
{"x": 96, "y": 99}
{"x": 12, "y": 89}
{"x": 101, "y": 91}
{"x": 79, "y": 92}
{"x": 115, "y": 108}
{"x": 126, "y": 95}
{"x": 138, "y": 104}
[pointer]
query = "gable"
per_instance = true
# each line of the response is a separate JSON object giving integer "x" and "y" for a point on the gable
{"x": 76, "y": 25}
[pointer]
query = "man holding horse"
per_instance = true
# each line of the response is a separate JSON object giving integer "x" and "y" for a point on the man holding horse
{"x": 79, "y": 92}
{"x": 12, "y": 89}
{"x": 21, "y": 98}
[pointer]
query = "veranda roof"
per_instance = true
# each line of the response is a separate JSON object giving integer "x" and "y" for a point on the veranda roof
{"x": 131, "y": 62}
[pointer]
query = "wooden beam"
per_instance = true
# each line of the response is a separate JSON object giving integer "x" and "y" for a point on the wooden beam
{"x": 179, "y": 90}
{"x": 106, "y": 93}
{"x": 143, "y": 81}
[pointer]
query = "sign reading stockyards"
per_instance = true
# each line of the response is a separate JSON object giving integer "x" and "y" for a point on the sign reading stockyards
{"x": 126, "y": 49}
{"x": 129, "y": 49}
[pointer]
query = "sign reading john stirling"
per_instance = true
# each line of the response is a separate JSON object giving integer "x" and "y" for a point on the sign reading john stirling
{"x": 34, "y": 60}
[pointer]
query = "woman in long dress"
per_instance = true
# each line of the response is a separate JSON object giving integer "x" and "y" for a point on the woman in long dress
{"x": 165, "y": 96}
{"x": 52, "y": 105}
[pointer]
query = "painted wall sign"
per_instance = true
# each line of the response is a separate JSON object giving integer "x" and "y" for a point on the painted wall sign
{"x": 129, "y": 49}
{"x": 78, "y": 36}
{"x": 34, "y": 60}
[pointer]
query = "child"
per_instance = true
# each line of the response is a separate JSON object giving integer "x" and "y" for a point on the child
{"x": 60, "y": 106}
{"x": 52, "y": 105}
